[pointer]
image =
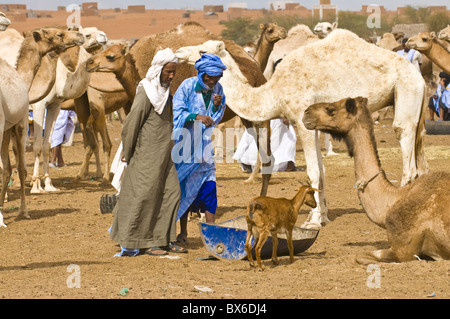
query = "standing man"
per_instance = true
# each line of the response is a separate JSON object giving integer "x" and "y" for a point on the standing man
{"x": 198, "y": 107}
{"x": 415, "y": 57}
{"x": 146, "y": 211}
{"x": 439, "y": 103}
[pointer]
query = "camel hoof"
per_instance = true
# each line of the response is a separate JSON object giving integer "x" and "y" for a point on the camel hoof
{"x": 250, "y": 181}
{"x": 23, "y": 215}
{"x": 51, "y": 188}
{"x": 331, "y": 154}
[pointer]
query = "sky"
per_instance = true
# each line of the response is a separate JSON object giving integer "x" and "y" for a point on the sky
{"x": 198, "y": 4}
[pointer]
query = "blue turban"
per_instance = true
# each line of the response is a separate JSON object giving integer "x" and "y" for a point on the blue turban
{"x": 209, "y": 64}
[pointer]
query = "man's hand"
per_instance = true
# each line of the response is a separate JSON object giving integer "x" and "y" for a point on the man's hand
{"x": 208, "y": 121}
{"x": 217, "y": 99}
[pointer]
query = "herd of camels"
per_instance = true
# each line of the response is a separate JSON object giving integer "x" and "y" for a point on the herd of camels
{"x": 80, "y": 69}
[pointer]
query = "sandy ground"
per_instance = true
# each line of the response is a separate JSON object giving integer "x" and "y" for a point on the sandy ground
{"x": 67, "y": 240}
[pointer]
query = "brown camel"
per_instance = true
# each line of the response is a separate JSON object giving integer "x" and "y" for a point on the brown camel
{"x": 141, "y": 54}
{"x": 416, "y": 216}
{"x": 271, "y": 33}
{"x": 428, "y": 44}
{"x": 14, "y": 87}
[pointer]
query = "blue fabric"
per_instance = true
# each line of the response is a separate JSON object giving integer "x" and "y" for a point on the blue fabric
{"x": 124, "y": 252}
{"x": 206, "y": 200}
{"x": 410, "y": 55}
{"x": 445, "y": 98}
{"x": 193, "y": 152}
{"x": 209, "y": 64}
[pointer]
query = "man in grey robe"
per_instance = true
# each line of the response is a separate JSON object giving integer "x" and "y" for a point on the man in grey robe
{"x": 146, "y": 211}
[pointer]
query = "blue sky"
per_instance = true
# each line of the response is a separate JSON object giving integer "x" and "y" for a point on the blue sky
{"x": 198, "y": 4}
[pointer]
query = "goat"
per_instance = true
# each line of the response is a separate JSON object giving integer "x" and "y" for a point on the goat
{"x": 275, "y": 216}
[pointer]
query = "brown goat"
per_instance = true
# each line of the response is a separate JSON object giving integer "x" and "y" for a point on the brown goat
{"x": 267, "y": 215}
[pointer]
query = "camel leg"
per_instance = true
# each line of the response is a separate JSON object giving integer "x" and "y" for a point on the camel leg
{"x": 90, "y": 147}
{"x": 290, "y": 245}
{"x": 50, "y": 119}
{"x": 20, "y": 137}
{"x": 329, "y": 145}
{"x": 316, "y": 174}
{"x": 274, "y": 248}
{"x": 38, "y": 126}
{"x": 382, "y": 255}
{"x": 408, "y": 116}
{"x": 248, "y": 246}
{"x": 101, "y": 127}
{"x": 6, "y": 165}
{"x": 264, "y": 154}
{"x": 262, "y": 239}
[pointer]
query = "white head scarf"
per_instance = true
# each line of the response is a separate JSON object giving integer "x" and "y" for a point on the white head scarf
{"x": 157, "y": 94}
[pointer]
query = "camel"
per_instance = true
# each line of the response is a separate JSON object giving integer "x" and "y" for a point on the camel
{"x": 71, "y": 81}
{"x": 323, "y": 29}
{"x": 14, "y": 86}
{"x": 417, "y": 216}
{"x": 388, "y": 41}
{"x": 298, "y": 36}
{"x": 428, "y": 44}
{"x": 192, "y": 33}
{"x": 4, "y": 22}
{"x": 304, "y": 77}
{"x": 444, "y": 34}
{"x": 271, "y": 33}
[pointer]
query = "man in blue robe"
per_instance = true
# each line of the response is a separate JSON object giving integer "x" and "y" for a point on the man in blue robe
{"x": 198, "y": 107}
{"x": 439, "y": 103}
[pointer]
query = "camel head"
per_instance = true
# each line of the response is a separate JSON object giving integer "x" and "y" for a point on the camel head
{"x": 54, "y": 39}
{"x": 444, "y": 34}
{"x": 111, "y": 59}
{"x": 4, "y": 22}
{"x": 273, "y": 32}
{"x": 422, "y": 41}
{"x": 94, "y": 38}
{"x": 192, "y": 53}
{"x": 323, "y": 29}
{"x": 336, "y": 118}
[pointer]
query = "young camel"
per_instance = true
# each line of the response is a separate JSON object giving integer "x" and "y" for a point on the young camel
{"x": 267, "y": 215}
{"x": 416, "y": 216}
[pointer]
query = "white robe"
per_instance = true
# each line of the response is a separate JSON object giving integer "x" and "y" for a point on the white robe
{"x": 283, "y": 141}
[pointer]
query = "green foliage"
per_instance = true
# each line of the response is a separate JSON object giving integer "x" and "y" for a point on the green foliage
{"x": 240, "y": 30}
{"x": 438, "y": 21}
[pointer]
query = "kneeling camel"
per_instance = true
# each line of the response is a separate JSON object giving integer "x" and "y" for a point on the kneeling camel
{"x": 416, "y": 216}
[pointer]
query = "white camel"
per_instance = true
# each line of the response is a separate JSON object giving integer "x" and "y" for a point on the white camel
{"x": 14, "y": 103}
{"x": 305, "y": 77}
{"x": 71, "y": 81}
{"x": 4, "y": 22}
{"x": 297, "y": 37}
{"x": 323, "y": 29}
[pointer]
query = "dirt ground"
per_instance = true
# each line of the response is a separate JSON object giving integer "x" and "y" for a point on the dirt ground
{"x": 67, "y": 240}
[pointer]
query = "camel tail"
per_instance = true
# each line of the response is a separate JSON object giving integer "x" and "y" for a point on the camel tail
{"x": 420, "y": 132}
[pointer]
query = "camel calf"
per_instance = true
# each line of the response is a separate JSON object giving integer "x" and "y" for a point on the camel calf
{"x": 275, "y": 216}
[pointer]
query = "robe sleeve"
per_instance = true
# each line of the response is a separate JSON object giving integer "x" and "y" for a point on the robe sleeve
{"x": 181, "y": 110}
{"x": 133, "y": 123}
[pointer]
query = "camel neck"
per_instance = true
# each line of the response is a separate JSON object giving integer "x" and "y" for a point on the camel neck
{"x": 439, "y": 55}
{"x": 128, "y": 77}
{"x": 376, "y": 193}
{"x": 262, "y": 52}
{"x": 28, "y": 61}
{"x": 256, "y": 104}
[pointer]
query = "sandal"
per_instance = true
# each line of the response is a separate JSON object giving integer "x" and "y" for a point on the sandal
{"x": 174, "y": 248}
{"x": 156, "y": 251}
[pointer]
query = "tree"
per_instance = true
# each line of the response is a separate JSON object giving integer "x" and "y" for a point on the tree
{"x": 438, "y": 21}
{"x": 240, "y": 30}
